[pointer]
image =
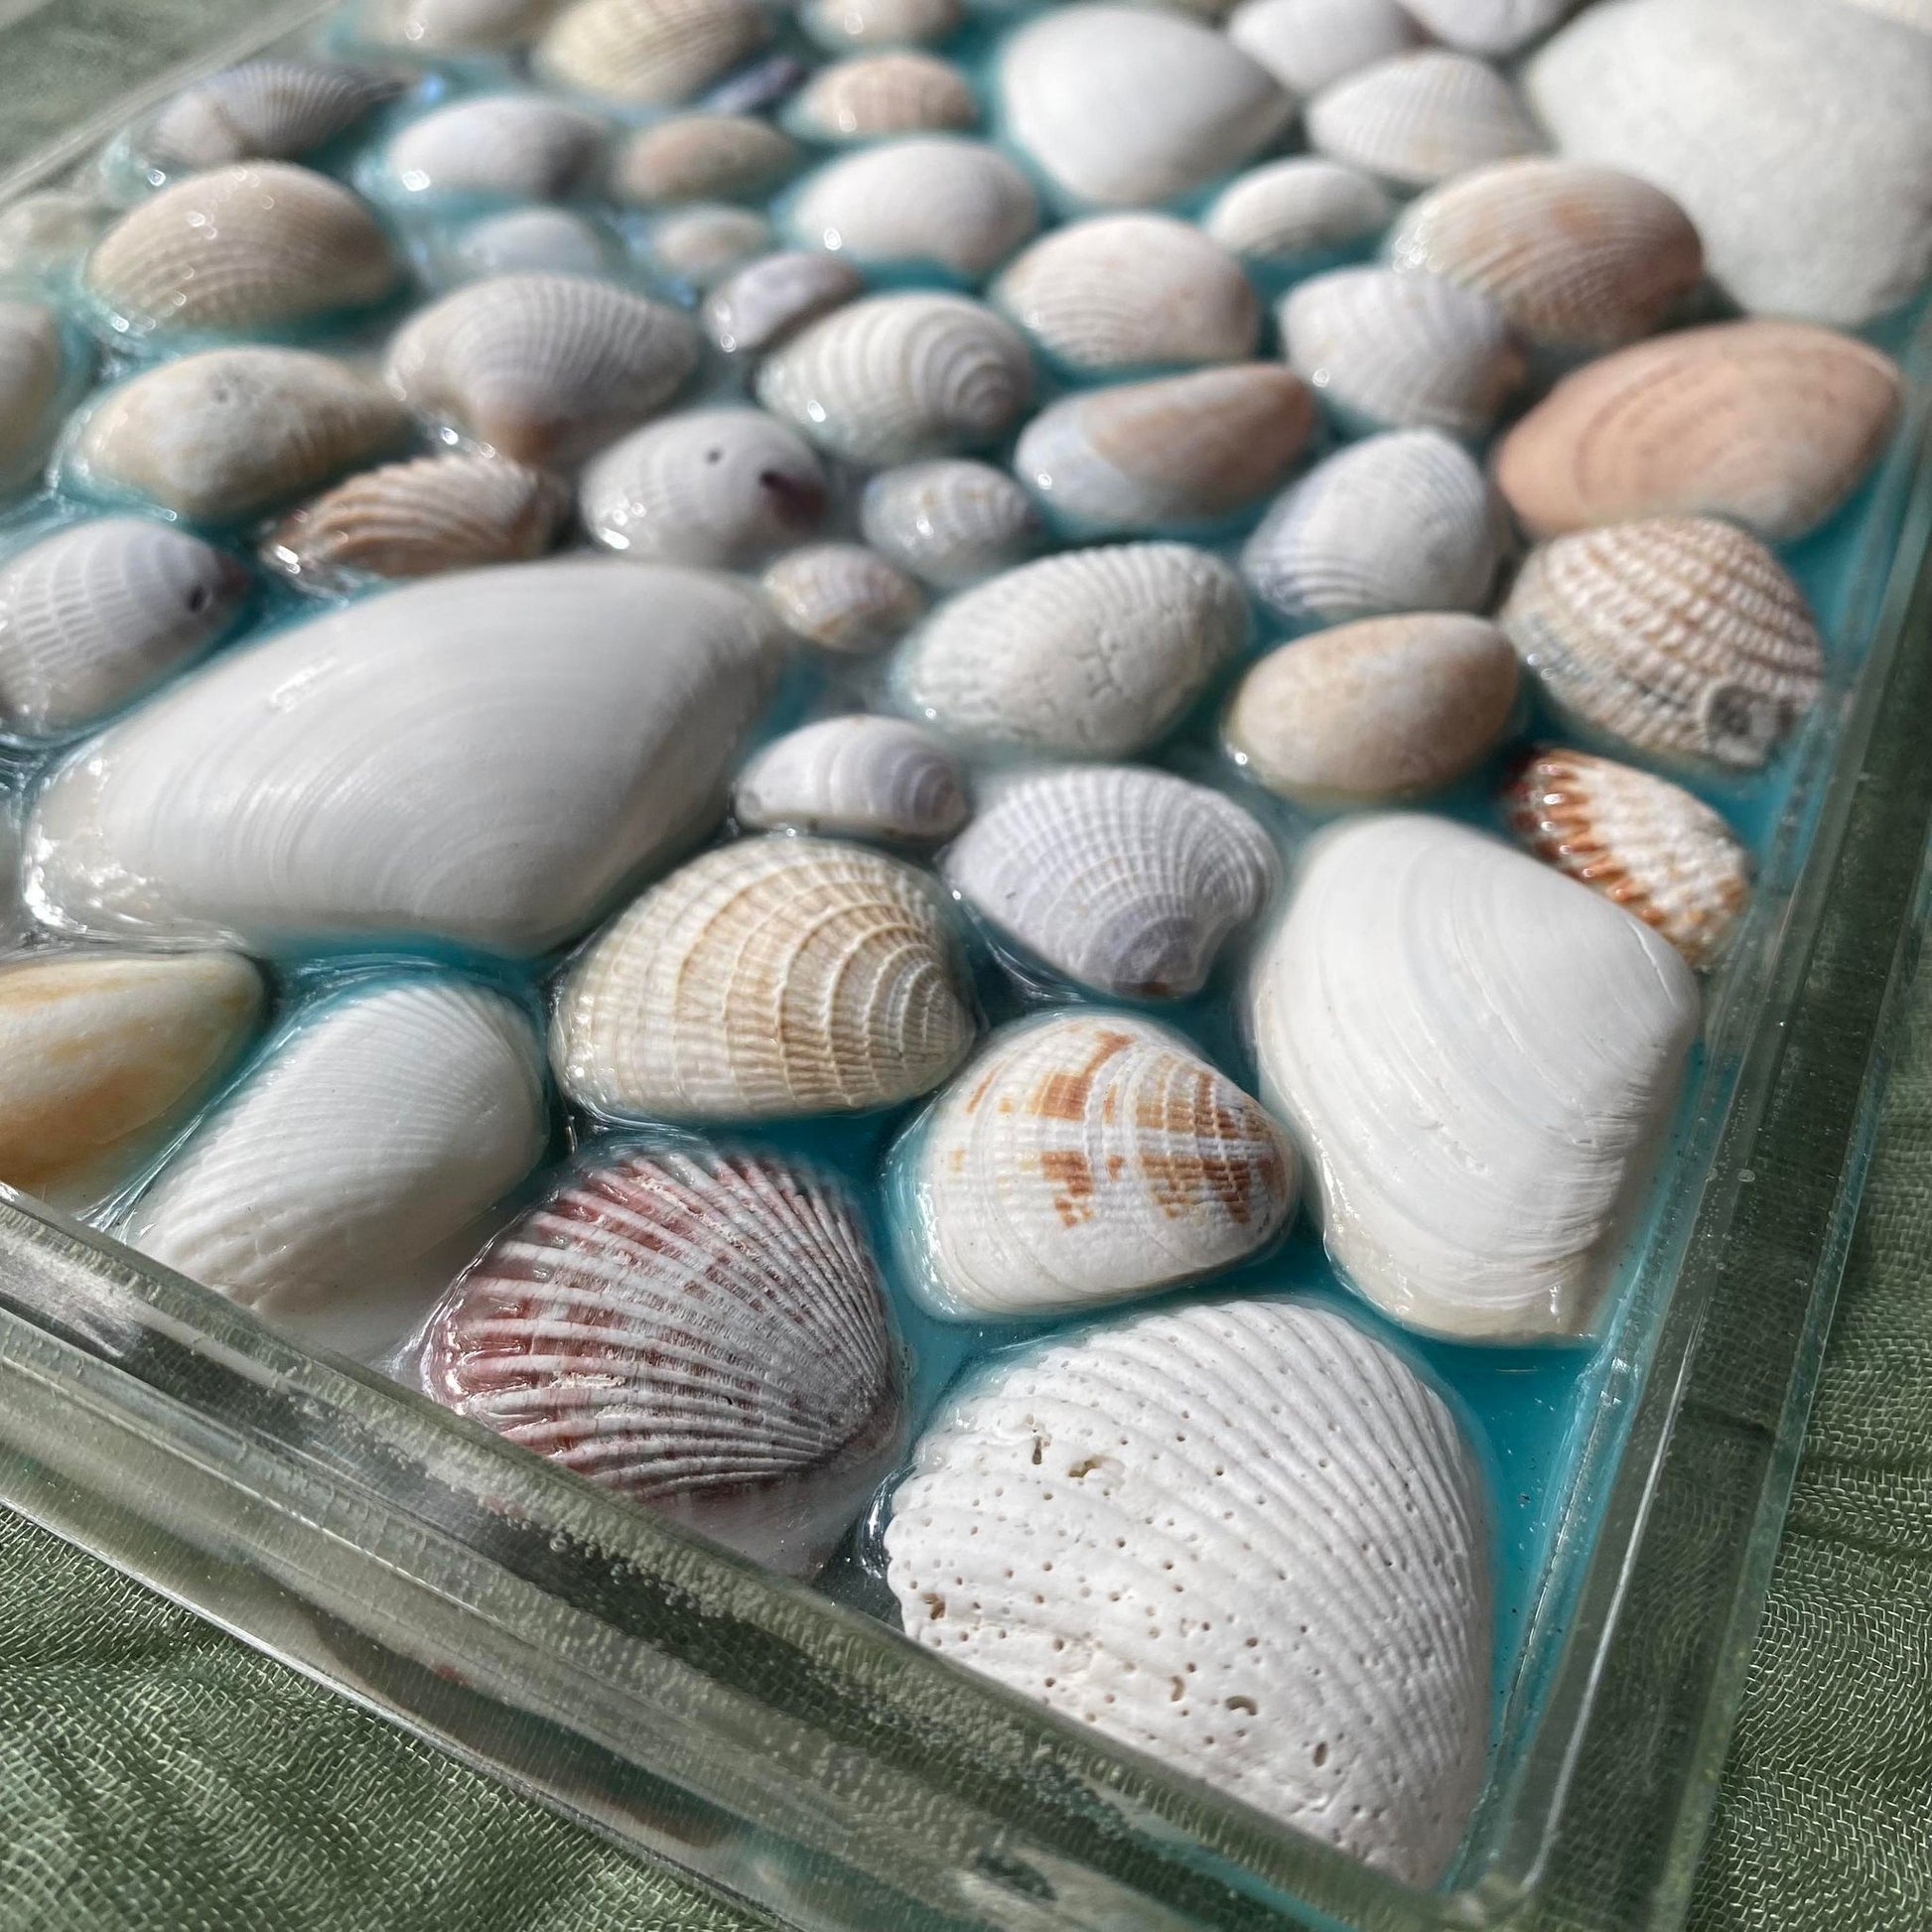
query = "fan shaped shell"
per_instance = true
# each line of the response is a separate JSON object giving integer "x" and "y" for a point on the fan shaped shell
{"x": 441, "y": 27}
{"x": 516, "y": 145}
{"x": 1308, "y": 43}
{"x": 837, "y": 25}
{"x": 842, "y": 596}
{"x": 701, "y": 158}
{"x": 262, "y": 110}
{"x": 879, "y": 94}
{"x": 858, "y": 777}
{"x": 951, "y": 521}
{"x": 650, "y": 52}
{"x": 767, "y": 299}
{"x": 1286, "y": 211}
{"x": 1420, "y": 118}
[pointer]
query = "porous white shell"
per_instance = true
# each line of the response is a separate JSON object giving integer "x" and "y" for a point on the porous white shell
{"x": 650, "y": 52}
{"x": 1429, "y": 978}
{"x": 842, "y": 596}
{"x": 1306, "y": 44}
{"x": 768, "y": 298}
{"x": 31, "y": 369}
{"x": 45, "y": 233}
{"x": 1494, "y": 26}
{"x": 434, "y": 26}
{"x": 527, "y": 240}
{"x": 704, "y": 244}
{"x": 884, "y": 93}
{"x": 516, "y": 145}
{"x": 1315, "y": 1641}
{"x": 840, "y": 24}
{"x": 950, "y": 522}
{"x": 702, "y": 157}
{"x": 1286, "y": 210}
{"x": 1418, "y": 118}
{"x": 855, "y": 777}
{"x": 485, "y": 756}
{"x": 771, "y": 978}
{"x": 271, "y": 109}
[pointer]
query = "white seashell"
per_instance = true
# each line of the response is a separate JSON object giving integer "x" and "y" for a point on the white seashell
{"x": 1427, "y": 975}
{"x": 706, "y": 244}
{"x": 1405, "y": 521}
{"x": 1308, "y": 43}
{"x": 1322, "y": 1652}
{"x": 529, "y": 241}
{"x": 950, "y": 522}
{"x": 650, "y": 52}
{"x": 516, "y": 145}
{"x": 719, "y": 487}
{"x": 1289, "y": 211}
{"x": 842, "y": 596}
{"x": 884, "y": 94}
{"x": 484, "y": 758}
{"x": 262, "y": 110}
{"x": 32, "y": 371}
{"x": 771, "y": 297}
{"x": 702, "y": 1333}
{"x": 545, "y": 368}
{"x": 1498, "y": 28}
{"x": 837, "y": 25}
{"x": 898, "y": 377}
{"x": 1093, "y": 653}
{"x": 702, "y": 158}
{"x": 1133, "y": 105}
{"x": 1418, "y": 118}
{"x": 1125, "y": 880}
{"x": 855, "y": 777}
{"x": 440, "y": 27}
{"x": 45, "y": 235}
{"x": 769, "y": 979}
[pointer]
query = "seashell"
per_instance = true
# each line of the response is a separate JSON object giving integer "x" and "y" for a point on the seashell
{"x": 416, "y": 519}
{"x": 716, "y": 487}
{"x": 1418, "y": 118}
{"x": 702, "y": 158}
{"x": 46, "y": 233}
{"x": 98, "y": 612}
{"x": 259, "y": 246}
{"x": 1385, "y": 708}
{"x": 1124, "y": 880}
{"x": 706, "y": 244}
{"x": 855, "y": 777}
{"x": 484, "y": 758}
{"x": 1085, "y": 1157}
{"x": 765, "y": 980}
{"x": 1678, "y": 635}
{"x": 898, "y": 377}
{"x": 1185, "y": 450}
{"x": 1772, "y": 422}
{"x": 1092, "y": 653}
{"x": 440, "y": 27}
{"x": 545, "y": 368}
{"x": 1133, "y": 105}
{"x": 262, "y": 110}
{"x": 1403, "y": 351}
{"x": 1497, "y": 28}
{"x": 521, "y": 146}
{"x": 1286, "y": 211}
{"x": 768, "y": 298}
{"x": 529, "y": 241}
{"x": 1399, "y": 523}
{"x": 100, "y": 1052}
{"x": 837, "y": 25}
{"x": 650, "y": 52}
{"x": 1132, "y": 292}
{"x": 702, "y": 1333}
{"x": 1427, "y": 975}
{"x": 884, "y": 94}
{"x": 841, "y": 597}
{"x": 1322, "y": 1646}
{"x": 1644, "y": 843}
{"x": 32, "y": 371}
{"x": 949, "y": 523}
{"x": 1308, "y": 45}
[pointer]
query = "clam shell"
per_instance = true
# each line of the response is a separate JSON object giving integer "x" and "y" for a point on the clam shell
{"x": 516, "y": 145}
{"x": 705, "y": 244}
{"x": 1772, "y": 422}
{"x": 46, "y": 233}
{"x": 949, "y": 523}
{"x": 1642, "y": 842}
{"x": 1124, "y": 880}
{"x": 1287, "y": 211}
{"x": 842, "y": 596}
{"x": 1418, "y": 118}
{"x": 898, "y": 377}
{"x": 1308, "y": 43}
{"x": 545, "y": 368}
{"x": 768, "y": 298}
{"x": 262, "y": 110}
{"x": 884, "y": 94}
{"x": 258, "y": 246}
{"x": 702, "y": 1333}
{"x": 838, "y": 25}
{"x": 528, "y": 241}
{"x": 856, "y": 777}
{"x": 702, "y": 158}
{"x": 484, "y": 758}
{"x": 1427, "y": 974}
{"x": 1497, "y": 28}
{"x": 1086, "y": 1157}
{"x": 1680, "y": 636}
{"x": 650, "y": 52}
{"x": 1322, "y": 1651}
{"x": 437, "y": 26}
{"x": 30, "y": 373}
{"x": 770, "y": 979}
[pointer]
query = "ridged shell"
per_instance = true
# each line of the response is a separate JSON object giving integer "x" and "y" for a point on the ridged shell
{"x": 516, "y": 145}
{"x": 1497, "y": 28}
{"x": 484, "y": 757}
{"x": 1125, "y": 880}
{"x": 838, "y": 25}
{"x": 1640, "y": 841}
{"x": 1680, "y": 636}
{"x": 527, "y": 241}
{"x": 1269, "y": 1563}
{"x": 855, "y": 777}
{"x": 1418, "y": 118}
{"x": 1308, "y": 43}
{"x": 1426, "y": 975}
{"x": 1287, "y": 211}
{"x": 768, "y": 298}
{"x": 46, "y": 233}
{"x": 949, "y": 523}
{"x": 650, "y": 52}
{"x": 272, "y": 110}
{"x": 884, "y": 94}
{"x": 30, "y": 372}
{"x": 1772, "y": 422}
{"x": 545, "y": 368}
{"x": 898, "y": 377}
{"x": 1093, "y": 653}
{"x": 842, "y": 596}
{"x": 415, "y": 520}
{"x": 440, "y": 27}
{"x": 1085, "y": 1157}
{"x": 101, "y": 611}
{"x": 259, "y": 246}
{"x": 704, "y": 244}
{"x": 702, "y": 158}
{"x": 702, "y": 1333}
{"x": 769, "y": 979}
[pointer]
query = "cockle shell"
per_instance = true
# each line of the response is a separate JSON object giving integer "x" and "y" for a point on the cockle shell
{"x": 31, "y": 369}
{"x": 837, "y": 25}
{"x": 1286, "y": 211}
{"x": 525, "y": 241}
{"x": 1680, "y": 636}
{"x": 706, "y": 244}
{"x": 484, "y": 757}
{"x": 1418, "y": 118}
{"x": 1308, "y": 43}
{"x": 262, "y": 110}
{"x": 1242, "y": 1535}
{"x": 650, "y": 52}
{"x": 898, "y": 377}
{"x": 258, "y": 246}
{"x": 1639, "y": 840}
{"x": 842, "y": 596}
{"x": 41, "y": 236}
{"x": 1427, "y": 977}
{"x": 1773, "y": 422}
{"x": 884, "y": 94}
{"x": 1497, "y": 28}
{"x": 1124, "y": 880}
{"x": 950, "y": 522}
{"x": 702, "y": 158}
{"x": 440, "y": 27}
{"x": 703, "y": 1333}
{"x": 772, "y": 978}
{"x": 768, "y": 298}
{"x": 101, "y": 611}
{"x": 1092, "y": 653}
{"x": 521, "y": 146}
{"x": 545, "y": 368}
{"x": 856, "y": 777}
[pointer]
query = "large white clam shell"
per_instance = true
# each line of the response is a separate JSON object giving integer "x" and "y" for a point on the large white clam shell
{"x": 1307, "y": 44}
{"x": 650, "y": 52}
{"x": 884, "y": 93}
{"x": 768, "y": 298}
{"x": 841, "y": 597}
{"x": 31, "y": 370}
{"x": 951, "y": 521}
{"x": 262, "y": 110}
{"x": 1478, "y": 1058}
{"x": 1418, "y": 118}
{"x": 439, "y": 27}
{"x": 839, "y": 24}
{"x": 1286, "y": 211}
{"x": 700, "y": 158}
{"x": 516, "y": 145}
{"x": 856, "y": 777}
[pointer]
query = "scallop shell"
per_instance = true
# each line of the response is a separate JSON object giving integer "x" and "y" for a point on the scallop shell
{"x": 1086, "y": 1157}
{"x": 706, "y": 244}
{"x": 1321, "y": 1647}
{"x": 527, "y": 241}
{"x": 1642, "y": 842}
{"x": 262, "y": 110}
{"x": 1420, "y": 118}
{"x": 650, "y": 52}
{"x": 1498, "y": 28}
{"x": 1306, "y": 44}
{"x": 771, "y": 297}
{"x": 842, "y": 596}
{"x": 45, "y": 235}
{"x": 30, "y": 373}
{"x": 1678, "y": 635}
{"x": 1286, "y": 211}
{"x": 837, "y": 25}
{"x": 1772, "y": 422}
{"x": 259, "y": 246}
{"x": 884, "y": 94}
{"x": 484, "y": 758}
{"x": 949, "y": 523}
{"x": 855, "y": 777}
{"x": 545, "y": 368}
{"x": 702, "y": 1333}
{"x": 521, "y": 146}
{"x": 1425, "y": 974}
{"x": 702, "y": 158}
{"x": 1092, "y": 653}
{"x": 440, "y": 27}
{"x": 769, "y": 979}
{"x": 898, "y": 377}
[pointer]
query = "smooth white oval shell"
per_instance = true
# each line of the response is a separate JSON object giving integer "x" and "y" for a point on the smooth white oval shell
{"x": 704, "y": 244}
{"x": 437, "y": 26}
{"x": 768, "y": 298}
{"x": 841, "y": 24}
{"x": 650, "y": 52}
{"x": 1418, "y": 118}
{"x": 855, "y": 777}
{"x": 884, "y": 93}
{"x": 701, "y": 158}
{"x": 1286, "y": 211}
{"x": 31, "y": 370}
{"x": 516, "y": 145}
{"x": 1494, "y": 26}
{"x": 842, "y": 596}
{"x": 272, "y": 110}
{"x": 950, "y": 522}
{"x": 1307, "y": 44}
{"x": 527, "y": 241}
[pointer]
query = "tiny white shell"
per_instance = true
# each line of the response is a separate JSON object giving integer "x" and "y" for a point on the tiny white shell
{"x": 842, "y": 596}
{"x": 1307, "y": 44}
{"x": 701, "y": 158}
{"x": 439, "y": 27}
{"x": 525, "y": 241}
{"x": 855, "y": 777}
{"x": 1498, "y": 28}
{"x": 1421, "y": 117}
{"x": 32, "y": 368}
{"x": 838, "y": 25}
{"x": 950, "y": 521}
{"x": 884, "y": 93}
{"x": 1287, "y": 211}
{"x": 768, "y": 298}
{"x": 704, "y": 244}
{"x": 262, "y": 110}
{"x": 516, "y": 145}
{"x": 650, "y": 52}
